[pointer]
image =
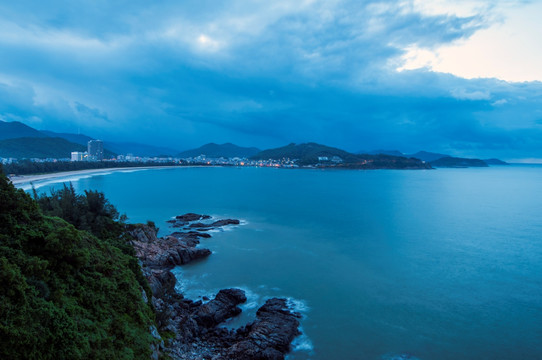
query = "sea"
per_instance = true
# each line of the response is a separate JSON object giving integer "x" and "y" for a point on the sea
{"x": 381, "y": 264}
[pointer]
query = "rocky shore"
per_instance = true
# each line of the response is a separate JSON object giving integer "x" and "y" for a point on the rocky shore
{"x": 192, "y": 329}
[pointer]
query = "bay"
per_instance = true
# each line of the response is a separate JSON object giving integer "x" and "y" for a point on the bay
{"x": 436, "y": 264}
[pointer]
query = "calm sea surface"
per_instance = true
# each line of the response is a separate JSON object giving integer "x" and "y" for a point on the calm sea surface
{"x": 439, "y": 264}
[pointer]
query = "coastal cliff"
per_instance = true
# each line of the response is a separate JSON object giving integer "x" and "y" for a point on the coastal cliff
{"x": 77, "y": 282}
{"x": 193, "y": 327}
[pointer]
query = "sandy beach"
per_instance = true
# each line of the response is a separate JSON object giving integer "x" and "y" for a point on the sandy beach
{"x": 27, "y": 179}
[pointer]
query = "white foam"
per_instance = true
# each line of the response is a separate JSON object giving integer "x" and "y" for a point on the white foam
{"x": 297, "y": 305}
{"x": 302, "y": 342}
{"x": 41, "y": 183}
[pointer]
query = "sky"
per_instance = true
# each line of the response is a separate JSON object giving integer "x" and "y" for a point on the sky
{"x": 460, "y": 77}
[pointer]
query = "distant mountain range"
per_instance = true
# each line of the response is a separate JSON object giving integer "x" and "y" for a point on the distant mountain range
{"x": 15, "y": 129}
{"x": 15, "y": 141}
{"x": 18, "y": 140}
{"x": 227, "y": 150}
{"x": 38, "y": 147}
{"x": 326, "y": 156}
{"x": 443, "y": 160}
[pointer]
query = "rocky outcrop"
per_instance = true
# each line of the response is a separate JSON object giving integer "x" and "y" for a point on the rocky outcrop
{"x": 215, "y": 224}
{"x": 270, "y": 336}
{"x": 222, "y": 307}
{"x": 182, "y": 220}
{"x": 195, "y": 324}
{"x": 164, "y": 252}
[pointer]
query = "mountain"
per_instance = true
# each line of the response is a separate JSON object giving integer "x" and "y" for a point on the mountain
{"x": 305, "y": 153}
{"x": 38, "y": 147}
{"x": 15, "y": 129}
{"x": 110, "y": 148}
{"x": 227, "y": 150}
{"x": 74, "y": 138}
{"x": 138, "y": 149}
{"x": 495, "y": 162}
{"x": 384, "y": 152}
{"x": 309, "y": 154}
{"x": 428, "y": 156}
{"x": 454, "y": 162}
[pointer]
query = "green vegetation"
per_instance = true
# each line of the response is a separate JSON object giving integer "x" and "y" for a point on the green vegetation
{"x": 308, "y": 154}
{"x": 67, "y": 293}
{"x": 27, "y": 167}
{"x": 305, "y": 153}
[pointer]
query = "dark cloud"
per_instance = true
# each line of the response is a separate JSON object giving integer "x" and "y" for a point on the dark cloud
{"x": 255, "y": 73}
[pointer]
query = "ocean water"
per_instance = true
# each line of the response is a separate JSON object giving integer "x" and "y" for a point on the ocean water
{"x": 435, "y": 264}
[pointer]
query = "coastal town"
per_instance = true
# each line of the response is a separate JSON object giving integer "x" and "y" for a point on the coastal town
{"x": 96, "y": 153}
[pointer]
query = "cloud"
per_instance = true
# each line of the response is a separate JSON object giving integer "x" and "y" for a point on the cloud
{"x": 465, "y": 94}
{"x": 265, "y": 73}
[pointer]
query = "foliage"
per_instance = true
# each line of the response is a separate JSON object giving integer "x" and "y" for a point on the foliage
{"x": 66, "y": 293}
{"x": 308, "y": 154}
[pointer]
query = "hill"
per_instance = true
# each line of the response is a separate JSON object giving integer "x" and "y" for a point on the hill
{"x": 80, "y": 139}
{"x": 305, "y": 153}
{"x": 112, "y": 148}
{"x": 74, "y": 138}
{"x": 384, "y": 152}
{"x": 454, "y": 162}
{"x": 38, "y": 147}
{"x": 15, "y": 129}
{"x": 309, "y": 154}
{"x": 428, "y": 156}
{"x": 138, "y": 149}
{"x": 227, "y": 150}
{"x": 495, "y": 162}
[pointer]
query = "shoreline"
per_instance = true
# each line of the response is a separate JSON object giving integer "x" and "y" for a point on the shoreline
{"x": 196, "y": 326}
{"x": 28, "y": 179}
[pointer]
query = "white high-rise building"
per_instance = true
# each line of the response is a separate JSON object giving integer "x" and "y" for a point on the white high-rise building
{"x": 79, "y": 156}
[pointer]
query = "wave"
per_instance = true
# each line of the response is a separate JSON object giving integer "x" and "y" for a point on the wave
{"x": 41, "y": 183}
{"x": 302, "y": 343}
{"x": 297, "y": 305}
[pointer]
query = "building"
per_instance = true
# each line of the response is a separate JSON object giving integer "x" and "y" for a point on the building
{"x": 95, "y": 150}
{"x": 79, "y": 156}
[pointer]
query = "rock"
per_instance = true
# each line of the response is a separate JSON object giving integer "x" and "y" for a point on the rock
{"x": 269, "y": 336}
{"x": 216, "y": 224}
{"x": 161, "y": 281}
{"x": 225, "y": 222}
{"x": 194, "y": 323}
{"x": 191, "y": 217}
{"x": 222, "y": 307}
{"x": 191, "y": 234}
{"x": 164, "y": 252}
